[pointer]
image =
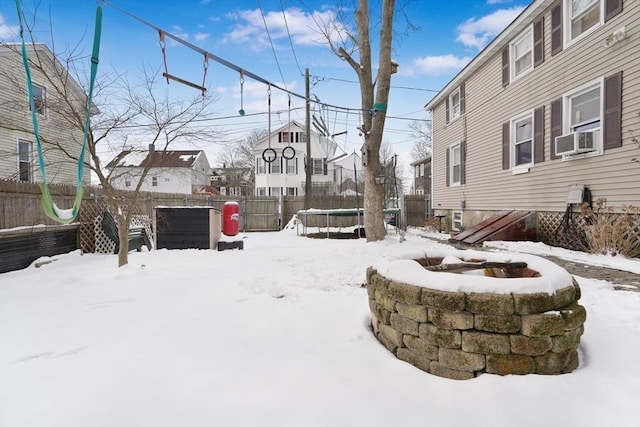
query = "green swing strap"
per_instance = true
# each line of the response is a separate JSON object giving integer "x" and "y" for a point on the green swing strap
{"x": 63, "y": 216}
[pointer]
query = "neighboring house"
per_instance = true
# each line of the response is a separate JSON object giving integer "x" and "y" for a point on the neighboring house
{"x": 421, "y": 177}
{"x": 348, "y": 176}
{"x": 286, "y": 176}
{"x": 60, "y": 137}
{"x": 551, "y": 102}
{"x": 232, "y": 181}
{"x": 172, "y": 171}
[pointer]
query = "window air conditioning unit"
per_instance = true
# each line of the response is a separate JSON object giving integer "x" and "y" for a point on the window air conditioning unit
{"x": 576, "y": 142}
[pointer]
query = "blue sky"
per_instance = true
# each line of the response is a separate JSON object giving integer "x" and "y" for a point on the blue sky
{"x": 447, "y": 35}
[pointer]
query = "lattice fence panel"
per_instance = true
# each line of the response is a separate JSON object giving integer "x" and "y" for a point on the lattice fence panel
{"x": 90, "y": 234}
{"x": 555, "y": 231}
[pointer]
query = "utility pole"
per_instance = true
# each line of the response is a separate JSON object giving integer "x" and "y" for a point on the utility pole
{"x": 309, "y": 162}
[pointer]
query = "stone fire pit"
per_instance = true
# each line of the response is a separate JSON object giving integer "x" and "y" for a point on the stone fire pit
{"x": 460, "y": 323}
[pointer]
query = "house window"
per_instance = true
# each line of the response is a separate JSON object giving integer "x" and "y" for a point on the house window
{"x": 166, "y": 180}
{"x": 290, "y": 137}
{"x": 275, "y": 167}
{"x": 522, "y": 54}
{"x": 127, "y": 182}
{"x": 454, "y": 104}
{"x": 584, "y": 109}
{"x": 583, "y": 123}
{"x": 39, "y": 99}
{"x": 261, "y": 191}
{"x": 456, "y": 220}
{"x": 285, "y": 137}
{"x": 583, "y": 16}
{"x": 275, "y": 191}
{"x": 318, "y": 167}
{"x": 456, "y": 165}
{"x": 25, "y": 170}
{"x": 292, "y": 191}
{"x": 522, "y": 141}
{"x": 291, "y": 166}
{"x": 154, "y": 181}
{"x": 260, "y": 166}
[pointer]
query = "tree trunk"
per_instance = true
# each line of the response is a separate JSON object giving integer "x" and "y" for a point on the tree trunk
{"x": 123, "y": 235}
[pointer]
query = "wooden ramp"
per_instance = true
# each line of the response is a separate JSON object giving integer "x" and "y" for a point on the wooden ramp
{"x": 505, "y": 225}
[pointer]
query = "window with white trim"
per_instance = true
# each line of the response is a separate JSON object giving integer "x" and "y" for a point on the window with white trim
{"x": 275, "y": 191}
{"x": 456, "y": 220}
{"x": 521, "y": 54}
{"x": 261, "y": 191}
{"x": 582, "y": 17}
{"x": 522, "y": 141}
{"x": 292, "y": 191}
{"x": 454, "y": 104}
{"x": 456, "y": 165}
{"x": 583, "y": 109}
{"x": 275, "y": 167}
{"x": 25, "y": 167}
{"x": 39, "y": 99}
{"x": 154, "y": 181}
{"x": 318, "y": 167}
{"x": 260, "y": 166}
{"x": 291, "y": 166}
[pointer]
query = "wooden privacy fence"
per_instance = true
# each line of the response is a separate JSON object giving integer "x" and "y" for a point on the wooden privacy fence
{"x": 20, "y": 206}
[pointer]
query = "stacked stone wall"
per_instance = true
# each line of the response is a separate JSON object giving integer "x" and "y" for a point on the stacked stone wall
{"x": 462, "y": 335}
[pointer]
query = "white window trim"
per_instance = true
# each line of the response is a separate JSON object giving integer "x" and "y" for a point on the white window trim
{"x": 29, "y": 145}
{"x": 453, "y": 117}
{"x": 566, "y": 117}
{"x": 43, "y": 114}
{"x": 453, "y": 183}
{"x": 261, "y": 166}
{"x": 512, "y": 57}
{"x": 523, "y": 168}
{"x": 453, "y": 221}
{"x": 566, "y": 24}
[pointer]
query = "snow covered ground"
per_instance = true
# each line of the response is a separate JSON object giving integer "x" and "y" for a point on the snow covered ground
{"x": 276, "y": 334}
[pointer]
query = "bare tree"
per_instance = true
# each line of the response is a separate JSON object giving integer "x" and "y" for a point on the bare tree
{"x": 355, "y": 49}
{"x": 124, "y": 115}
{"x": 239, "y": 153}
{"x": 421, "y": 132}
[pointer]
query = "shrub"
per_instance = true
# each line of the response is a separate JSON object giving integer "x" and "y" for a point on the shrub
{"x": 611, "y": 231}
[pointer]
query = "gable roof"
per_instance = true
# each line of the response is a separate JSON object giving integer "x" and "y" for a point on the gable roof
{"x": 164, "y": 159}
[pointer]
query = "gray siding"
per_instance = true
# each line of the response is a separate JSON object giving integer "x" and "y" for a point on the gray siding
{"x": 56, "y": 129}
{"x": 488, "y": 105}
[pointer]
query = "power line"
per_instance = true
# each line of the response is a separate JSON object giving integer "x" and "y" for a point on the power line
{"x": 320, "y": 78}
{"x": 273, "y": 49}
{"x": 286, "y": 25}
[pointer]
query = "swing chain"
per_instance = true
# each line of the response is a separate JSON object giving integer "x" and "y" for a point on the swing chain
{"x": 205, "y": 66}
{"x": 163, "y": 46}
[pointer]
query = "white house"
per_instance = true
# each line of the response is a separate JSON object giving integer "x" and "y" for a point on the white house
{"x": 348, "y": 176}
{"x": 280, "y": 161}
{"x": 61, "y": 139}
{"x": 172, "y": 171}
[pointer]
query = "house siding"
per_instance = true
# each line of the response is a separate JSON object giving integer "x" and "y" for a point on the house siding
{"x": 488, "y": 105}
{"x": 320, "y": 148}
{"x": 55, "y": 127}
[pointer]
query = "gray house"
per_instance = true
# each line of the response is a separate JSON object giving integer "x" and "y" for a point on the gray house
{"x": 61, "y": 138}
{"x": 552, "y": 104}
